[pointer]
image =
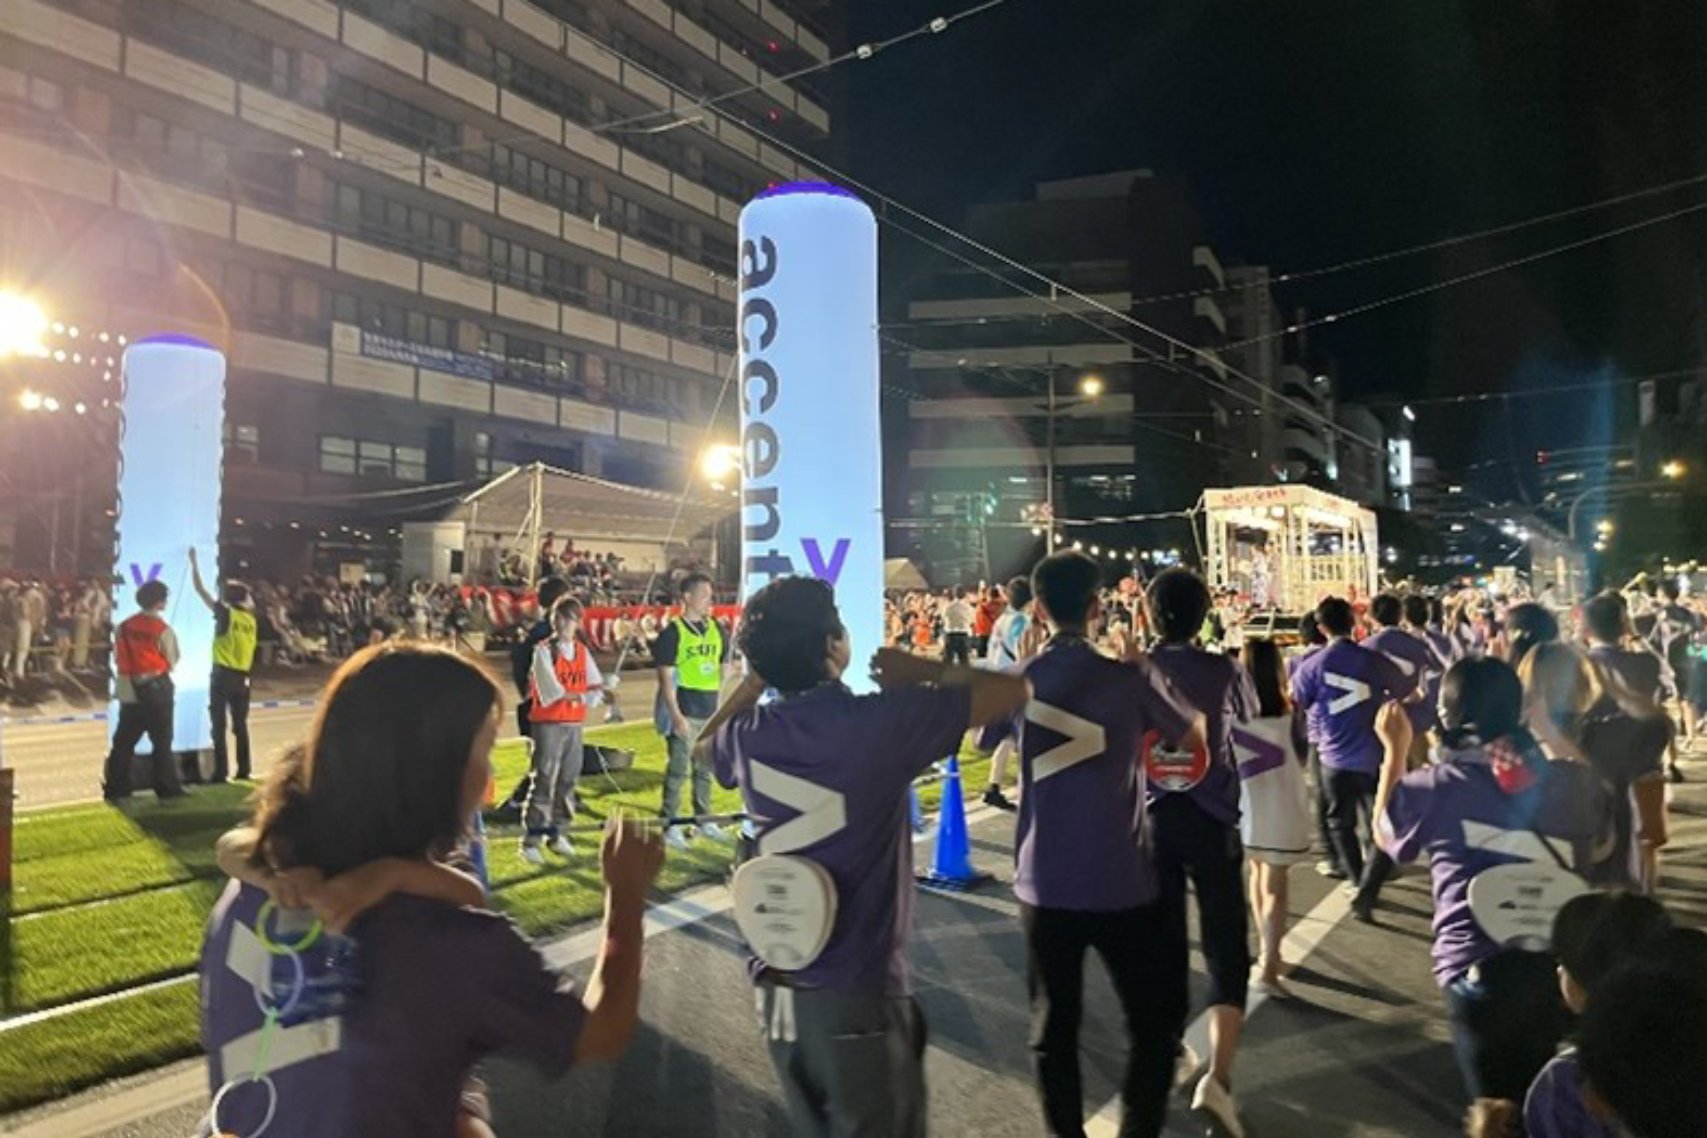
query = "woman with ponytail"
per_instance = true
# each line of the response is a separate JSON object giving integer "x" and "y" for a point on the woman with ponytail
{"x": 1510, "y": 835}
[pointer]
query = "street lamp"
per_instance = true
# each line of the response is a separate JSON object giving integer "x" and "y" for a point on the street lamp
{"x": 1090, "y": 387}
{"x": 719, "y": 463}
{"x": 1674, "y": 470}
{"x": 22, "y": 325}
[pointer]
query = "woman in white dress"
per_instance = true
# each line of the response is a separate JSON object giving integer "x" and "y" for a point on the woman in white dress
{"x": 1274, "y": 809}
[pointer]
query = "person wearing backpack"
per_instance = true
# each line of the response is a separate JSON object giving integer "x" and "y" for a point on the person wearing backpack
{"x": 1509, "y": 835}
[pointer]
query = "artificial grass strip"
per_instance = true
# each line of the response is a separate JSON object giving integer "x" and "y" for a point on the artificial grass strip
{"x": 56, "y": 1057}
{"x": 70, "y": 954}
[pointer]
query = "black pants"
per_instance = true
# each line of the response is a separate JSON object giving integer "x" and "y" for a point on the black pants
{"x": 228, "y": 692}
{"x": 1351, "y": 806}
{"x": 1320, "y": 774}
{"x": 957, "y": 648}
{"x": 1192, "y": 846}
{"x": 1144, "y": 950}
{"x": 150, "y": 715}
{"x": 1507, "y": 1021}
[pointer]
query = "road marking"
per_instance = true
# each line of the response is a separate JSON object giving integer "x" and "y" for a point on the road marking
{"x": 1305, "y": 936}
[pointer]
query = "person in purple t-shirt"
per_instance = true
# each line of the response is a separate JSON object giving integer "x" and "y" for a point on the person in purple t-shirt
{"x": 825, "y": 773}
{"x": 1509, "y": 834}
{"x": 1084, "y": 873}
{"x": 1194, "y": 803}
{"x": 1415, "y": 660}
{"x": 1593, "y": 935}
{"x": 378, "y": 1030}
{"x": 1341, "y": 688}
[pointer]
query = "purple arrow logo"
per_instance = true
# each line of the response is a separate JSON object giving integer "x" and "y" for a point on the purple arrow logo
{"x": 1256, "y": 754}
{"x": 136, "y": 573}
{"x": 815, "y": 559}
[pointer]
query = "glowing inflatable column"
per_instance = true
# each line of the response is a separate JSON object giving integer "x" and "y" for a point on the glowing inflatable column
{"x": 811, "y": 442}
{"x": 169, "y": 479}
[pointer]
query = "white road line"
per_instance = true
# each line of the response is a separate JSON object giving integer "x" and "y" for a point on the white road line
{"x": 1305, "y": 936}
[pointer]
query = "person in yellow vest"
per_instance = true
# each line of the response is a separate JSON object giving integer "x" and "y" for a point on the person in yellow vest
{"x": 145, "y": 650}
{"x": 234, "y": 636}
{"x": 690, "y": 654}
{"x": 563, "y": 682}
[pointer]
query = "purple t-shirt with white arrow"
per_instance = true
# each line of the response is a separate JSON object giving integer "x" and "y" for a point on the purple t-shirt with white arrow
{"x": 1220, "y": 688}
{"x": 1341, "y": 688}
{"x": 1417, "y": 662}
{"x": 1082, "y": 841}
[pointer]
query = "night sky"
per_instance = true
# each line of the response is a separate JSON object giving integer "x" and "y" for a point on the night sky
{"x": 1318, "y": 131}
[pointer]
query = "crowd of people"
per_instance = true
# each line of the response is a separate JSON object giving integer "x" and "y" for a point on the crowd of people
{"x": 1163, "y": 751}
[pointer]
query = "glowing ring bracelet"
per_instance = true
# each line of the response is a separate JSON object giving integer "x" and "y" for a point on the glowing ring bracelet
{"x": 284, "y": 1009}
{"x": 266, "y": 1119}
{"x": 267, "y": 910}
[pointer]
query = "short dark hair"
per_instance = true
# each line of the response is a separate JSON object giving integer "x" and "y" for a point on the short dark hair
{"x": 784, "y": 629}
{"x": 1018, "y": 592}
{"x": 151, "y": 594}
{"x": 1436, "y": 611}
{"x": 1531, "y": 625}
{"x": 1067, "y": 583}
{"x": 1386, "y": 609}
{"x": 1416, "y": 609}
{"x": 1179, "y": 602}
{"x": 1640, "y": 1043}
{"x": 1607, "y": 617}
{"x": 1596, "y": 932}
{"x": 1336, "y": 617}
{"x": 1309, "y": 631}
{"x": 236, "y": 593}
{"x": 549, "y": 590}
{"x": 1481, "y": 697}
{"x": 383, "y": 769}
{"x": 691, "y": 582}
{"x": 1670, "y": 589}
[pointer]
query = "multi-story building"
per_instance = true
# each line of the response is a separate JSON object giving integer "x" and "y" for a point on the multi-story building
{"x": 435, "y": 238}
{"x": 1309, "y": 450}
{"x": 1361, "y": 470}
{"x": 1022, "y": 406}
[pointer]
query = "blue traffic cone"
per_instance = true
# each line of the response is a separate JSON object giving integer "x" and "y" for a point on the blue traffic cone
{"x": 951, "y": 865}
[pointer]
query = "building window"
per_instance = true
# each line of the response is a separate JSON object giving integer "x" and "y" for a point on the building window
{"x": 242, "y": 443}
{"x": 536, "y": 178}
{"x": 542, "y": 87}
{"x": 386, "y": 221}
{"x": 512, "y": 263}
{"x": 337, "y": 455}
{"x": 391, "y": 117}
{"x": 425, "y": 29}
{"x": 729, "y": 182}
{"x": 534, "y": 363}
{"x": 193, "y": 33}
{"x": 627, "y": 216}
{"x": 646, "y": 307}
{"x": 645, "y": 390}
{"x": 376, "y": 315}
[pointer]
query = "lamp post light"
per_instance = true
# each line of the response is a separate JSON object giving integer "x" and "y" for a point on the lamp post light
{"x": 1090, "y": 388}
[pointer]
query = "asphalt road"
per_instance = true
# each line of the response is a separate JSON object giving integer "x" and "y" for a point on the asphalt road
{"x": 1360, "y": 1051}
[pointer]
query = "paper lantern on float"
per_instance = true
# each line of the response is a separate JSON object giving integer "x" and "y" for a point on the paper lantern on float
{"x": 811, "y": 440}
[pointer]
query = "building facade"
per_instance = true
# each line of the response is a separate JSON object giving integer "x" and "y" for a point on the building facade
{"x": 436, "y": 239}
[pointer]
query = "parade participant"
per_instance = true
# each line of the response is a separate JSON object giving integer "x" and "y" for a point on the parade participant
{"x": 1492, "y": 801}
{"x": 1313, "y": 640}
{"x": 825, "y": 774}
{"x": 521, "y": 670}
{"x": 1528, "y": 625}
{"x": 1085, "y": 875}
{"x": 145, "y": 650}
{"x": 234, "y": 638}
{"x": 1009, "y": 639}
{"x": 1193, "y": 796}
{"x": 1414, "y": 659}
{"x": 957, "y": 617}
{"x": 689, "y": 654}
{"x": 1593, "y": 935}
{"x": 1341, "y": 688}
{"x": 1574, "y": 716}
{"x": 990, "y": 607}
{"x": 1676, "y": 628}
{"x": 1427, "y": 618}
{"x": 1640, "y": 1043}
{"x": 1639, "y": 672}
{"x": 1274, "y": 812}
{"x": 564, "y": 682}
{"x": 397, "y": 760}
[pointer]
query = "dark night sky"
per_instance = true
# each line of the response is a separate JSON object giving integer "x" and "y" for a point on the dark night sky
{"x": 1320, "y": 130}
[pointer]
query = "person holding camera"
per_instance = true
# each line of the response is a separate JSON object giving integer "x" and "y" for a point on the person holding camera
{"x": 145, "y": 650}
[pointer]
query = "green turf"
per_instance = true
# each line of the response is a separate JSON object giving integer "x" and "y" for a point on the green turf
{"x": 109, "y": 899}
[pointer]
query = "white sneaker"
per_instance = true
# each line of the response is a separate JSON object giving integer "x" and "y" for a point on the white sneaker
{"x": 532, "y": 856}
{"x": 561, "y": 846}
{"x": 676, "y": 838}
{"x": 712, "y": 832}
{"x": 1215, "y": 1103}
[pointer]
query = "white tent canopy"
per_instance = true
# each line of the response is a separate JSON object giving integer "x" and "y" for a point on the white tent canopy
{"x": 518, "y": 508}
{"x": 900, "y": 573}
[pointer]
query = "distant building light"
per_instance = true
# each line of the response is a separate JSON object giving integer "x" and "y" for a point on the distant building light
{"x": 1410, "y": 415}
